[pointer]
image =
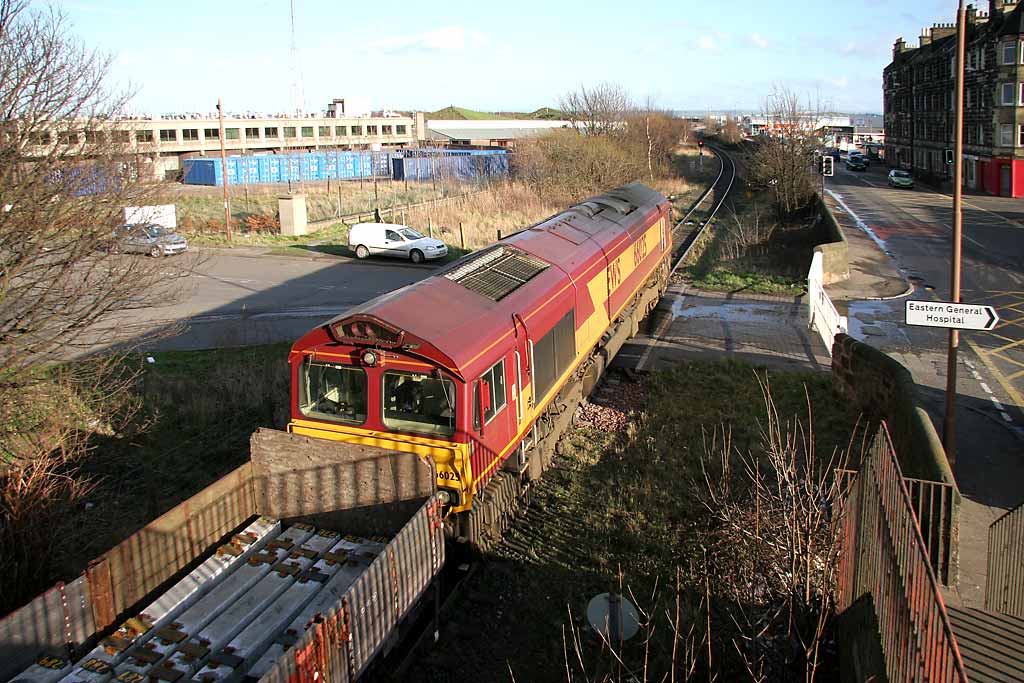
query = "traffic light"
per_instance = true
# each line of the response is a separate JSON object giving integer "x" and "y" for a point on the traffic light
{"x": 700, "y": 143}
{"x": 949, "y": 156}
{"x": 828, "y": 166}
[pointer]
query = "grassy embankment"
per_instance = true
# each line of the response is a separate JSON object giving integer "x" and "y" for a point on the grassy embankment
{"x": 624, "y": 509}
{"x": 747, "y": 248}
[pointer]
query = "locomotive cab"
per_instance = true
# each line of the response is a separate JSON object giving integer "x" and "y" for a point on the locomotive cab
{"x": 360, "y": 380}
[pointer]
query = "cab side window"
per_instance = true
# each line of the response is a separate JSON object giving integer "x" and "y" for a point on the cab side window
{"x": 490, "y": 394}
{"x": 392, "y": 236}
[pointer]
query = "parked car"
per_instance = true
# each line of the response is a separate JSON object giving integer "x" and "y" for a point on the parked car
{"x": 900, "y": 178}
{"x": 147, "y": 238}
{"x": 389, "y": 239}
{"x": 856, "y": 163}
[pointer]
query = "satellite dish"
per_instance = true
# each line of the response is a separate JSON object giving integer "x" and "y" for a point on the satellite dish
{"x": 614, "y": 616}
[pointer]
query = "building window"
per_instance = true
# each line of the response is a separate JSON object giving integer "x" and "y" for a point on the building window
{"x": 94, "y": 137}
{"x": 981, "y": 134}
{"x": 400, "y": 130}
{"x": 1006, "y": 135}
{"x": 385, "y": 130}
{"x": 168, "y": 135}
{"x": 341, "y": 131}
{"x": 270, "y": 132}
{"x": 231, "y": 134}
{"x": 67, "y": 138}
{"x": 120, "y": 136}
{"x": 252, "y": 133}
{"x": 968, "y": 98}
{"x": 289, "y": 131}
{"x": 307, "y": 131}
{"x": 1020, "y": 136}
{"x": 325, "y": 131}
{"x": 1008, "y": 52}
{"x": 190, "y": 134}
{"x": 211, "y": 133}
{"x": 371, "y": 130}
{"x": 357, "y": 130}
{"x": 144, "y": 135}
{"x": 1007, "y": 93}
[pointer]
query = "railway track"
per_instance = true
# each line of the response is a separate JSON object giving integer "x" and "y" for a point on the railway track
{"x": 519, "y": 539}
{"x": 689, "y": 229}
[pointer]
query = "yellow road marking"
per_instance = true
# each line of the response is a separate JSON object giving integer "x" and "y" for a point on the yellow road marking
{"x": 1014, "y": 395}
{"x": 1016, "y": 375}
{"x": 1008, "y": 346}
{"x": 1008, "y": 360}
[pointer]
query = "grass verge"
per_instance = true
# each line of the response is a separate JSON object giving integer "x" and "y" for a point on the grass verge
{"x": 620, "y": 511}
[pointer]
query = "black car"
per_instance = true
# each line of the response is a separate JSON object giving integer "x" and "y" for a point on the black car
{"x": 856, "y": 163}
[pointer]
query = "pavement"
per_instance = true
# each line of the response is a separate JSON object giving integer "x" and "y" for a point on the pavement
{"x": 898, "y": 246}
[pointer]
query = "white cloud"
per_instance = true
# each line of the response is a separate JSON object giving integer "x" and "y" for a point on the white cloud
{"x": 842, "y": 82}
{"x": 707, "y": 43}
{"x": 758, "y": 40}
{"x": 449, "y": 39}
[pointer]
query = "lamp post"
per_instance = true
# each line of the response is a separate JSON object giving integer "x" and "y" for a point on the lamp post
{"x": 224, "y": 171}
{"x": 949, "y": 424}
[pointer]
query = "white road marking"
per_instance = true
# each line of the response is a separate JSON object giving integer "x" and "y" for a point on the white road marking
{"x": 996, "y": 403}
{"x": 985, "y": 387}
{"x": 1006, "y": 416}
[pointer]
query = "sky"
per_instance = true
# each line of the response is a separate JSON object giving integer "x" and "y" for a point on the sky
{"x": 497, "y": 56}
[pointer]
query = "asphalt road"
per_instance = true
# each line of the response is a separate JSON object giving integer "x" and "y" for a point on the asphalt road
{"x": 915, "y": 227}
{"x": 244, "y": 296}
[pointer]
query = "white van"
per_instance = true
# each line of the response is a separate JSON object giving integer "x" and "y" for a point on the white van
{"x": 390, "y": 239}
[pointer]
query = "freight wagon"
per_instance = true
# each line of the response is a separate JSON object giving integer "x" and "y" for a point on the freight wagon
{"x": 292, "y": 567}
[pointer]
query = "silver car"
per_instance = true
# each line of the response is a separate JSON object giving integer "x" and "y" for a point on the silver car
{"x": 900, "y": 178}
{"x": 147, "y": 238}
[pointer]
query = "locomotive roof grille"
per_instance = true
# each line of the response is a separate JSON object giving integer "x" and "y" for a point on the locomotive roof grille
{"x": 497, "y": 273}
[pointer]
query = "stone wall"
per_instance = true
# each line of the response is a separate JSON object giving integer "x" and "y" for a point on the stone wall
{"x": 881, "y": 388}
{"x": 835, "y": 249}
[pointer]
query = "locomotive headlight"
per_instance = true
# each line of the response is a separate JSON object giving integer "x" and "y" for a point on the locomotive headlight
{"x": 370, "y": 358}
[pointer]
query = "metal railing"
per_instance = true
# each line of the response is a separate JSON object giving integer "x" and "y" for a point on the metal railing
{"x": 884, "y": 556}
{"x": 1004, "y": 590}
{"x": 821, "y": 312}
{"x": 936, "y": 506}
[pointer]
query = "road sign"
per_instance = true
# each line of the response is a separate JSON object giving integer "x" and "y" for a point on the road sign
{"x": 952, "y": 316}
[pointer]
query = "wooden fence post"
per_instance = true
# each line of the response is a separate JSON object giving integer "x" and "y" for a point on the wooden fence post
{"x": 462, "y": 236}
{"x": 430, "y": 226}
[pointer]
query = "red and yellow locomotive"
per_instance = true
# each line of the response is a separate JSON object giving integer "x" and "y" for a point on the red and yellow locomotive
{"x": 474, "y": 365}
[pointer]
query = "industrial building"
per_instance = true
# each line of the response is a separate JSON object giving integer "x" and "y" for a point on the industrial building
{"x": 919, "y": 99}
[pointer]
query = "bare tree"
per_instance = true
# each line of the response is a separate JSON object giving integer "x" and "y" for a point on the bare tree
{"x": 731, "y": 133}
{"x": 655, "y": 134}
{"x": 784, "y": 160}
{"x": 599, "y": 110}
{"x": 65, "y": 177}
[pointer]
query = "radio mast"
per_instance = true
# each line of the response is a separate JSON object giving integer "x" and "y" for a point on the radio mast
{"x": 296, "y": 98}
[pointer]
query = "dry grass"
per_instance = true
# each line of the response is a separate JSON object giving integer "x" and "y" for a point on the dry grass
{"x": 202, "y": 208}
{"x": 508, "y": 207}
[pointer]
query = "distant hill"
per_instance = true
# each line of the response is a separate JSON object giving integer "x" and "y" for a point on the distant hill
{"x": 461, "y": 113}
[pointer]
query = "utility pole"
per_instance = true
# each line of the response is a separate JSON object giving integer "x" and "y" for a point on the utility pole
{"x": 224, "y": 170}
{"x": 949, "y": 424}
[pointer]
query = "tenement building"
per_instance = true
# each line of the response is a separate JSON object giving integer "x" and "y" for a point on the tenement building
{"x": 919, "y": 100}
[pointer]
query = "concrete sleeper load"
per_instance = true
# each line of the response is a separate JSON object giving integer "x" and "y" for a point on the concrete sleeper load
{"x": 259, "y": 577}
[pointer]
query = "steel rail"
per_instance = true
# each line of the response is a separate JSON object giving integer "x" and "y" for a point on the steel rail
{"x": 693, "y": 238}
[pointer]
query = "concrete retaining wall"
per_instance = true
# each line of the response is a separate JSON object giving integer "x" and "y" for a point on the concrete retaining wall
{"x": 881, "y": 388}
{"x": 835, "y": 249}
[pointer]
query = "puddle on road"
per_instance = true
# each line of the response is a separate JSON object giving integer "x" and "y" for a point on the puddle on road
{"x": 737, "y": 313}
{"x": 873, "y": 321}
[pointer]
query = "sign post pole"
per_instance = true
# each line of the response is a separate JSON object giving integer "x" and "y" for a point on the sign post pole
{"x": 949, "y": 423}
